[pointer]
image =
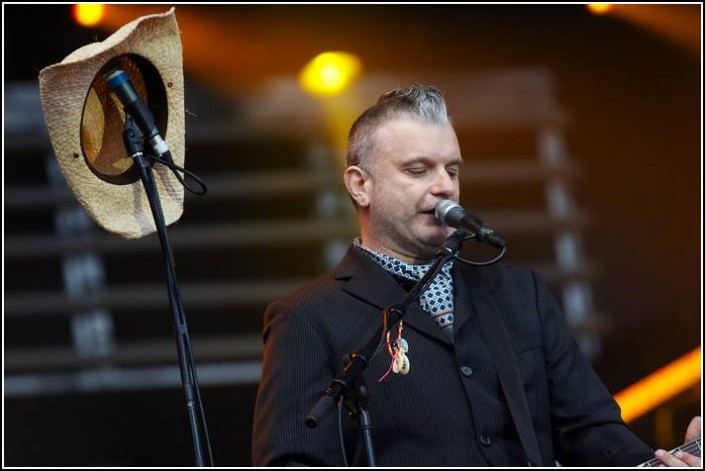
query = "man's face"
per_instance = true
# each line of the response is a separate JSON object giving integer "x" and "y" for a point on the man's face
{"x": 412, "y": 166}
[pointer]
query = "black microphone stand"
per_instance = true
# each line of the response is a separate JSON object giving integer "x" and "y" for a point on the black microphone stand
{"x": 351, "y": 376}
{"x": 132, "y": 138}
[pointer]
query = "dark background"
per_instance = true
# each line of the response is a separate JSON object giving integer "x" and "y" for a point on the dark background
{"x": 635, "y": 101}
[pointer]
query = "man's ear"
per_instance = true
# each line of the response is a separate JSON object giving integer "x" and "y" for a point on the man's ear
{"x": 355, "y": 181}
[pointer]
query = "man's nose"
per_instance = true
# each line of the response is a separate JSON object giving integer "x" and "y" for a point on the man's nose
{"x": 443, "y": 185}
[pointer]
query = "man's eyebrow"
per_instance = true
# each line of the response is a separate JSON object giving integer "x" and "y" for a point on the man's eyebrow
{"x": 427, "y": 160}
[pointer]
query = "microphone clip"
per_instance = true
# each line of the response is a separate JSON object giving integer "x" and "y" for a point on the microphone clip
{"x": 132, "y": 137}
{"x": 453, "y": 244}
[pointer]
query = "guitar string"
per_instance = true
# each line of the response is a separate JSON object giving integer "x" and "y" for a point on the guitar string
{"x": 695, "y": 445}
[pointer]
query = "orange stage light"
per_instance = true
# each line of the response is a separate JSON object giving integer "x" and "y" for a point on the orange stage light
{"x": 88, "y": 14}
{"x": 661, "y": 385}
{"x": 599, "y": 8}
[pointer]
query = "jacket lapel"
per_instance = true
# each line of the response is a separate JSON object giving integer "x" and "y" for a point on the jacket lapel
{"x": 472, "y": 295}
{"x": 462, "y": 301}
{"x": 362, "y": 277}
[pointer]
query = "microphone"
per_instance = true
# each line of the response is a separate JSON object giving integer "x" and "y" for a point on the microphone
{"x": 452, "y": 214}
{"x": 119, "y": 82}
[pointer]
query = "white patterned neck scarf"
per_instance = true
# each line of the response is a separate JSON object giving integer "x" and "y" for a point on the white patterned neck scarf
{"x": 437, "y": 300}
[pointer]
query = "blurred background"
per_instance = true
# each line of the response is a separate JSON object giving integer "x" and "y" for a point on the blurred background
{"x": 581, "y": 130}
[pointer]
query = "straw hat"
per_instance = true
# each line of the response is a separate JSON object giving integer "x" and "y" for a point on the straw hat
{"x": 85, "y": 122}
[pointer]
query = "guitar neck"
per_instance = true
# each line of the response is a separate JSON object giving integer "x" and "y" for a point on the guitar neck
{"x": 694, "y": 448}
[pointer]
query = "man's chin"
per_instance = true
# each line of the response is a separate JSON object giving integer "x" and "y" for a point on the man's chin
{"x": 435, "y": 239}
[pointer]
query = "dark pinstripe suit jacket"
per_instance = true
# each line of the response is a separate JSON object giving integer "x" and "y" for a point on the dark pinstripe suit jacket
{"x": 449, "y": 410}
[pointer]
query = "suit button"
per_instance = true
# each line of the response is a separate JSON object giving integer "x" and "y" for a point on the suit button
{"x": 485, "y": 440}
{"x": 466, "y": 371}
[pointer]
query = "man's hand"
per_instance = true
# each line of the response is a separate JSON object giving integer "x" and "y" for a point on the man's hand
{"x": 680, "y": 458}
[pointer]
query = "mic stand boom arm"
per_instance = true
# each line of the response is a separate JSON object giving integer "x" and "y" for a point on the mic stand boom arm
{"x": 351, "y": 376}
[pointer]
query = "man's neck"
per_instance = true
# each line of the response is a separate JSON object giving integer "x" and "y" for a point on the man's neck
{"x": 368, "y": 244}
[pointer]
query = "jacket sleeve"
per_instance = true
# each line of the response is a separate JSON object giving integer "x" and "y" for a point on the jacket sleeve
{"x": 586, "y": 420}
{"x": 296, "y": 370}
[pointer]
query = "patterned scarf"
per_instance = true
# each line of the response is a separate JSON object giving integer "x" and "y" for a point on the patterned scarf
{"x": 437, "y": 300}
